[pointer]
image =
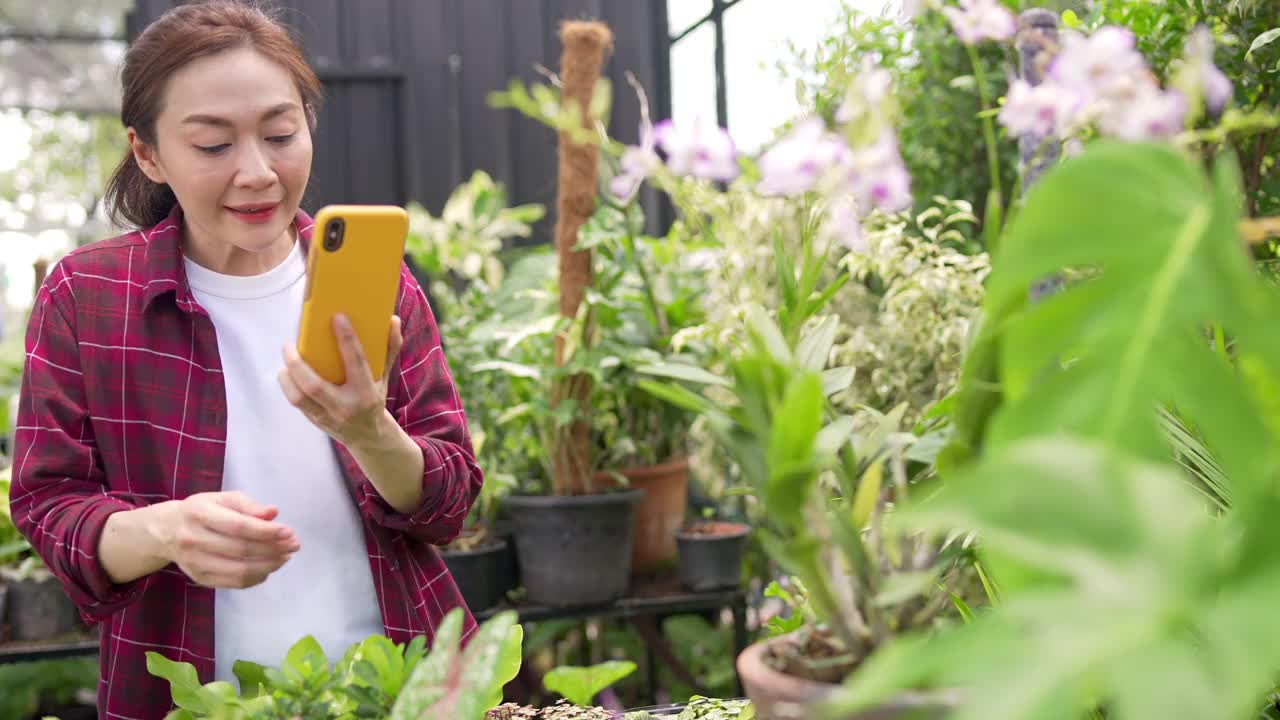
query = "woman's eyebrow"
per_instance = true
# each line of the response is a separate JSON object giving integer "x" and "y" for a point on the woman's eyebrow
{"x": 201, "y": 119}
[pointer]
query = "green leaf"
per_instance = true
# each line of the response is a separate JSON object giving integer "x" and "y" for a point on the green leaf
{"x": 427, "y": 684}
{"x": 510, "y": 368}
{"x": 815, "y": 345}
{"x": 1145, "y": 216}
{"x": 766, "y": 331}
{"x": 511, "y": 656}
{"x": 487, "y": 665}
{"x": 836, "y": 380}
{"x": 184, "y": 684}
{"x": 901, "y": 587}
{"x": 580, "y": 685}
{"x": 834, "y": 436}
{"x": 1263, "y": 40}
{"x": 682, "y": 371}
{"x": 793, "y": 436}
{"x": 677, "y": 395}
{"x": 305, "y": 661}
{"x": 962, "y": 607}
{"x": 1071, "y": 19}
{"x": 868, "y": 494}
{"x": 252, "y": 677}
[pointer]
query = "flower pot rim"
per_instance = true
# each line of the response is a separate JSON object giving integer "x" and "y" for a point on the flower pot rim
{"x": 495, "y": 545}
{"x": 643, "y": 472}
{"x": 610, "y": 497}
{"x": 741, "y": 529}
{"x": 780, "y": 683}
{"x": 792, "y": 688}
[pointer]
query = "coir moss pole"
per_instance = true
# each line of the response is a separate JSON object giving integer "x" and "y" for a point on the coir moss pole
{"x": 585, "y": 44}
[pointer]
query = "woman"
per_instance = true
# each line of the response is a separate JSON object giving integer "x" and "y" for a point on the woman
{"x": 193, "y": 486}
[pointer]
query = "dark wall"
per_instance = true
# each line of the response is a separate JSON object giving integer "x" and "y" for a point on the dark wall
{"x": 406, "y": 81}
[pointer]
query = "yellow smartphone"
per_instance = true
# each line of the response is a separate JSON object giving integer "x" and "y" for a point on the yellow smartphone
{"x": 353, "y": 268}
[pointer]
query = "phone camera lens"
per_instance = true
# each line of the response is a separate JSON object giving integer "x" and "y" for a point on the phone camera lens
{"x": 333, "y": 235}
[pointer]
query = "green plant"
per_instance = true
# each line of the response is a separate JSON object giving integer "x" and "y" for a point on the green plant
{"x": 464, "y": 245}
{"x": 375, "y": 679}
{"x": 1162, "y": 30}
{"x": 823, "y": 494}
{"x": 1114, "y": 573}
{"x": 704, "y": 708}
{"x": 936, "y": 89}
{"x": 451, "y": 682}
{"x": 28, "y": 688}
{"x": 502, "y": 336}
{"x": 15, "y": 550}
{"x": 647, "y": 294}
{"x": 707, "y": 651}
{"x": 644, "y": 296}
{"x": 580, "y": 685}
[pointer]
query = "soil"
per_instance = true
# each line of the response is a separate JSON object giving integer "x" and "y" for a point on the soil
{"x": 811, "y": 655}
{"x": 711, "y": 528}
{"x": 562, "y": 710}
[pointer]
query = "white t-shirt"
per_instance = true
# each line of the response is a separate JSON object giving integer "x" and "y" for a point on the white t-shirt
{"x": 278, "y": 457}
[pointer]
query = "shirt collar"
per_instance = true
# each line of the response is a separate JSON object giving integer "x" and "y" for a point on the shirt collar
{"x": 164, "y": 271}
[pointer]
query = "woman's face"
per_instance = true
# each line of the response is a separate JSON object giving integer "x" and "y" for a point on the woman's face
{"x": 233, "y": 143}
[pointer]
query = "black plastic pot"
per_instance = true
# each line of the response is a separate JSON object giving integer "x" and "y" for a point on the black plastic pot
{"x": 574, "y": 551}
{"x": 39, "y": 609}
{"x": 483, "y": 575}
{"x": 712, "y": 561}
{"x": 4, "y": 597}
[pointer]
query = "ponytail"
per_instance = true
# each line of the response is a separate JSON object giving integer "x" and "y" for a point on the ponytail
{"x": 133, "y": 200}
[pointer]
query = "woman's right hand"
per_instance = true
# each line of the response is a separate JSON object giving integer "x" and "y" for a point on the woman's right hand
{"x": 226, "y": 540}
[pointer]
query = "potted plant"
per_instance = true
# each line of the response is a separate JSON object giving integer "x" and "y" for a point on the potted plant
{"x": 824, "y": 482}
{"x": 711, "y": 553}
{"x": 35, "y": 605}
{"x": 1121, "y": 563}
{"x": 374, "y": 679}
{"x": 461, "y": 252}
{"x": 573, "y": 538}
{"x": 648, "y": 295}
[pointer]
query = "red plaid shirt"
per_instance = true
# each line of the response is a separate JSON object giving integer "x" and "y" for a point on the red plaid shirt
{"x": 123, "y": 405}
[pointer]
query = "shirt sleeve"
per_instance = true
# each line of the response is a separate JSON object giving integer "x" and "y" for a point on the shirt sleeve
{"x": 424, "y": 400}
{"x": 59, "y": 496}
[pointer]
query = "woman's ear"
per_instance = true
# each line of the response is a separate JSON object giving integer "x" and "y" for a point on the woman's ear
{"x": 145, "y": 155}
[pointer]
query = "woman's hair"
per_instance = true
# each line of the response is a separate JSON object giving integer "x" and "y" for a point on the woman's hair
{"x": 181, "y": 35}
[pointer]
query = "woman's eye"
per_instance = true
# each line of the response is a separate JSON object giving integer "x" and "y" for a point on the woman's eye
{"x": 213, "y": 149}
{"x": 281, "y": 139}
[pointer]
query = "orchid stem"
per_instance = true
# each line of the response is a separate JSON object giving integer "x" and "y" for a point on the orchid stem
{"x": 988, "y": 131}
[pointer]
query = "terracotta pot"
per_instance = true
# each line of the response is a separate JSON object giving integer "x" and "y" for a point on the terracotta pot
{"x": 658, "y": 516}
{"x": 778, "y": 696}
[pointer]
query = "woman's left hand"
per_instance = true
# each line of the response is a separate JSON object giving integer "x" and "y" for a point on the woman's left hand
{"x": 353, "y": 413}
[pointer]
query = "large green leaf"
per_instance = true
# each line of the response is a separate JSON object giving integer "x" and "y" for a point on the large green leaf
{"x": 184, "y": 684}
{"x": 1131, "y": 546}
{"x": 682, "y": 371}
{"x": 580, "y": 685}
{"x": 1157, "y": 240}
{"x": 426, "y": 685}
{"x": 1116, "y": 579}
